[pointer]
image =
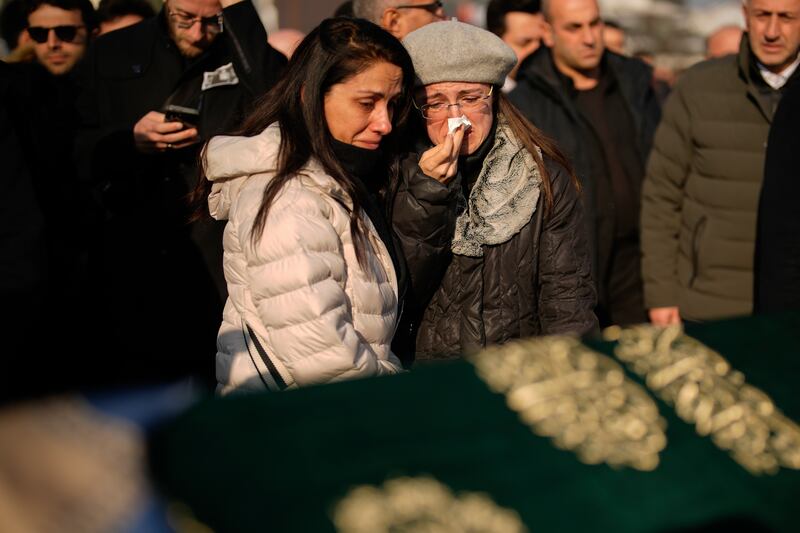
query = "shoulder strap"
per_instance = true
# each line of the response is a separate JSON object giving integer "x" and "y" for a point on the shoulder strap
{"x": 273, "y": 372}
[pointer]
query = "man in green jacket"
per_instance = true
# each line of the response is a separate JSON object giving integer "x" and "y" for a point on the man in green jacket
{"x": 700, "y": 195}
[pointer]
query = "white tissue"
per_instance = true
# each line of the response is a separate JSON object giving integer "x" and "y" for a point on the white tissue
{"x": 453, "y": 123}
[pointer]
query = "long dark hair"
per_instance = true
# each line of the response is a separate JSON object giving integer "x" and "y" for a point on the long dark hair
{"x": 532, "y": 137}
{"x": 333, "y": 52}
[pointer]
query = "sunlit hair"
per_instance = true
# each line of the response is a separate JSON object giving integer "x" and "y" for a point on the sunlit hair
{"x": 335, "y": 51}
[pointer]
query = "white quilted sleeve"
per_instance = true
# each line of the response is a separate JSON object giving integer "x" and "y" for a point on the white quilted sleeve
{"x": 297, "y": 275}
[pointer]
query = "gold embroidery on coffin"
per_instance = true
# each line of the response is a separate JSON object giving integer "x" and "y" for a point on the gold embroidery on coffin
{"x": 580, "y": 398}
{"x": 705, "y": 391}
{"x": 421, "y": 504}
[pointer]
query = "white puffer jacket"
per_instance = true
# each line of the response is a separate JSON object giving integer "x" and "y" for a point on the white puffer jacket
{"x": 300, "y": 308}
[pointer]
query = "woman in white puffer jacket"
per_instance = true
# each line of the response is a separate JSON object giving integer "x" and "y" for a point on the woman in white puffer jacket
{"x": 311, "y": 268}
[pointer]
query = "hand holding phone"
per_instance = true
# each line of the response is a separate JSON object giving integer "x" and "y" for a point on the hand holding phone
{"x": 185, "y": 115}
{"x": 155, "y": 133}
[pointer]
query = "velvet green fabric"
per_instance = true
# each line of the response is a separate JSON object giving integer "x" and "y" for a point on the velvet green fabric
{"x": 280, "y": 462}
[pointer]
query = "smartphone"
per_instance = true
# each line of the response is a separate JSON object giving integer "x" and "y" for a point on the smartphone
{"x": 188, "y": 116}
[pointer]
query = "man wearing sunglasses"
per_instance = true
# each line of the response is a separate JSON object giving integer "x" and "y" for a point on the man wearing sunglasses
{"x": 60, "y": 31}
{"x": 399, "y": 17}
{"x": 149, "y": 96}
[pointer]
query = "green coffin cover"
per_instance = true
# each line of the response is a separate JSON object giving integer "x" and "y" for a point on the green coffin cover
{"x": 297, "y": 460}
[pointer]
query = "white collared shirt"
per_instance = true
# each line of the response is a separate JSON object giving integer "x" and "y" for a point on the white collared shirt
{"x": 776, "y": 81}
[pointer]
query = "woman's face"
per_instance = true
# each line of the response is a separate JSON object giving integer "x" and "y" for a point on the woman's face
{"x": 359, "y": 110}
{"x": 479, "y": 112}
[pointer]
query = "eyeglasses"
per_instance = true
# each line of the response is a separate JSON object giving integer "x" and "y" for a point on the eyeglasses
{"x": 66, "y": 34}
{"x": 433, "y": 7}
{"x": 468, "y": 102}
{"x": 184, "y": 21}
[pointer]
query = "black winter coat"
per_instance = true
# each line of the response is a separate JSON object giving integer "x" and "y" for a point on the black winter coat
{"x": 159, "y": 279}
{"x": 43, "y": 229}
{"x": 778, "y": 242}
{"x": 542, "y": 96}
{"x": 537, "y": 283}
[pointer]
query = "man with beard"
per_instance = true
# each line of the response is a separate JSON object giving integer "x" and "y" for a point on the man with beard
{"x": 150, "y": 95}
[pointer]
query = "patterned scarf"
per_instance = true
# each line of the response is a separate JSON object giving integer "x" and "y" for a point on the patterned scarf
{"x": 503, "y": 199}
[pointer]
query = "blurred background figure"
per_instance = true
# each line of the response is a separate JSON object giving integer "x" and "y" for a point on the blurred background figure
{"x": 117, "y": 14}
{"x": 663, "y": 77}
{"x": 469, "y": 11}
{"x": 601, "y": 109}
{"x": 723, "y": 41}
{"x": 520, "y": 24}
{"x": 399, "y": 17}
{"x": 778, "y": 244}
{"x": 345, "y": 9}
{"x": 285, "y": 40}
{"x": 614, "y": 37}
{"x": 13, "y": 20}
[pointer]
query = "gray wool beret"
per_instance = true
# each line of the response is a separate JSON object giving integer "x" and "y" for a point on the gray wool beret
{"x": 455, "y": 51}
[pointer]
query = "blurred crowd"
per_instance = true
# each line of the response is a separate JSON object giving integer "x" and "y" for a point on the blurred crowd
{"x": 117, "y": 265}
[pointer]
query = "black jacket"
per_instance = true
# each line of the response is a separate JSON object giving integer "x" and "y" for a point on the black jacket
{"x": 778, "y": 242}
{"x": 537, "y": 283}
{"x": 42, "y": 108}
{"x": 159, "y": 279}
{"x": 43, "y": 230}
{"x": 542, "y": 94}
{"x": 23, "y": 250}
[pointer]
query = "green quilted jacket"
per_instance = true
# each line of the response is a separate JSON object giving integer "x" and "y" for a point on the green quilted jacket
{"x": 700, "y": 195}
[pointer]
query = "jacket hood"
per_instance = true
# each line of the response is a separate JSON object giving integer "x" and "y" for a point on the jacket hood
{"x": 230, "y": 157}
{"x": 231, "y": 161}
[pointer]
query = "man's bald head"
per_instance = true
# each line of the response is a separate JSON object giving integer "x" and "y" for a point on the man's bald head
{"x": 285, "y": 40}
{"x": 372, "y": 10}
{"x": 723, "y": 41}
{"x": 399, "y": 17}
{"x": 574, "y": 33}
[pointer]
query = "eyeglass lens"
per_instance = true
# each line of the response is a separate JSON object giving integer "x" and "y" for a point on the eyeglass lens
{"x": 433, "y": 7}
{"x": 185, "y": 21}
{"x": 64, "y": 33}
{"x": 469, "y": 103}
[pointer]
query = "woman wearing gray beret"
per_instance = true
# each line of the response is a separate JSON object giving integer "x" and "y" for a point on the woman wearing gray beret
{"x": 488, "y": 209}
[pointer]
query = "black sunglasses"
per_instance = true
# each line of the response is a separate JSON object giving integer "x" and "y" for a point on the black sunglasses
{"x": 433, "y": 7}
{"x": 66, "y": 34}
